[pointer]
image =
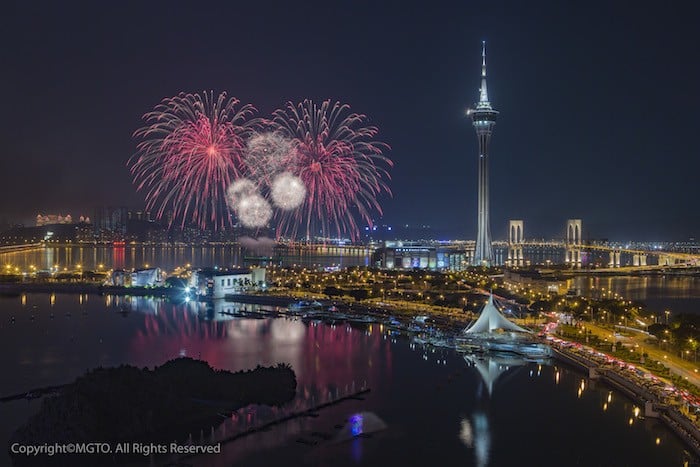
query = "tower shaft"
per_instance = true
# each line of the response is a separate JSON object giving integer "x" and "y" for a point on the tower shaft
{"x": 484, "y": 120}
{"x": 483, "y": 254}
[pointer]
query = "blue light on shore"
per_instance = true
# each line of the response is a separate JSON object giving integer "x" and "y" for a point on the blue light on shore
{"x": 356, "y": 425}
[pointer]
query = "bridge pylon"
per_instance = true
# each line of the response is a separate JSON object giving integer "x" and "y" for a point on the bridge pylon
{"x": 614, "y": 259}
{"x": 574, "y": 243}
{"x": 515, "y": 244}
{"x": 639, "y": 259}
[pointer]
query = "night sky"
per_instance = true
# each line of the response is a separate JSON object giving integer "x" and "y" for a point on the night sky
{"x": 599, "y": 105}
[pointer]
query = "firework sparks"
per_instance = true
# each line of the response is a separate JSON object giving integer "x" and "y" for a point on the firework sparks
{"x": 254, "y": 211}
{"x": 191, "y": 150}
{"x": 239, "y": 190}
{"x": 267, "y": 154}
{"x": 287, "y": 191}
{"x": 341, "y": 166}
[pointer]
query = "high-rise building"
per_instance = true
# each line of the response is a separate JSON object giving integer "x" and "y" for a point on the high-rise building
{"x": 484, "y": 120}
{"x": 109, "y": 223}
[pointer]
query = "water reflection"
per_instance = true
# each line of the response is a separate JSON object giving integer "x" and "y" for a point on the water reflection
{"x": 639, "y": 287}
{"x": 491, "y": 366}
{"x": 475, "y": 432}
{"x": 408, "y": 382}
{"x": 105, "y": 257}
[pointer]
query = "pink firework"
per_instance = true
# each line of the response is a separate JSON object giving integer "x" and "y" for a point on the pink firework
{"x": 342, "y": 167}
{"x": 191, "y": 151}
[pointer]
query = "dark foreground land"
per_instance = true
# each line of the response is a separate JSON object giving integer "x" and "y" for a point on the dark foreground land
{"x": 128, "y": 404}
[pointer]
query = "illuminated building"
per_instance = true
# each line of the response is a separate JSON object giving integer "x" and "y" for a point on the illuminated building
{"x": 484, "y": 120}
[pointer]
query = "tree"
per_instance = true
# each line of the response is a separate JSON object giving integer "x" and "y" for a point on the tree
{"x": 332, "y": 291}
{"x": 359, "y": 294}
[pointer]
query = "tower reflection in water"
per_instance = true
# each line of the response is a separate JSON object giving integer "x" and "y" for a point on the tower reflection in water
{"x": 475, "y": 431}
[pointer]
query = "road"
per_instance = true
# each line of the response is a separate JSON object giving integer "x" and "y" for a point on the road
{"x": 684, "y": 368}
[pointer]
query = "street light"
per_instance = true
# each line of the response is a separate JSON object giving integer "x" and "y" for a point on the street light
{"x": 667, "y": 313}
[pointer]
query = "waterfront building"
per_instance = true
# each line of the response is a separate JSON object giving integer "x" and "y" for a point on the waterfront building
{"x": 493, "y": 332}
{"x": 408, "y": 255}
{"x": 431, "y": 255}
{"x": 147, "y": 277}
{"x": 119, "y": 278}
{"x": 483, "y": 118}
{"x": 491, "y": 320}
{"x": 144, "y": 277}
{"x": 217, "y": 283}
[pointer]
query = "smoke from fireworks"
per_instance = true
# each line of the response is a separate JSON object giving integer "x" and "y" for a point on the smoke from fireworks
{"x": 287, "y": 191}
{"x": 260, "y": 246}
{"x": 338, "y": 162}
{"x": 267, "y": 154}
{"x": 191, "y": 151}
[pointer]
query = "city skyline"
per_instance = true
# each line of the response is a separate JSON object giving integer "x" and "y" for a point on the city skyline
{"x": 583, "y": 137}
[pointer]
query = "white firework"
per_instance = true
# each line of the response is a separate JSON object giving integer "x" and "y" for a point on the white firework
{"x": 254, "y": 211}
{"x": 267, "y": 154}
{"x": 238, "y": 190}
{"x": 287, "y": 191}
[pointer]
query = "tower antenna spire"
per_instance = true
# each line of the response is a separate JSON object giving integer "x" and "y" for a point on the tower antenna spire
{"x": 483, "y": 91}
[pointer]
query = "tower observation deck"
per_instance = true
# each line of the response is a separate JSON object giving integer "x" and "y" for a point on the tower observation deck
{"x": 483, "y": 118}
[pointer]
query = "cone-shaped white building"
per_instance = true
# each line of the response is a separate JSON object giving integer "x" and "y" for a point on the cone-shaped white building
{"x": 491, "y": 319}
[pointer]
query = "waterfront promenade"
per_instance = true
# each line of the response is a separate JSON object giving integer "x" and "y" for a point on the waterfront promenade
{"x": 657, "y": 399}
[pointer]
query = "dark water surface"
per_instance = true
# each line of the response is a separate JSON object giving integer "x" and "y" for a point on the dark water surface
{"x": 679, "y": 294}
{"x": 439, "y": 409}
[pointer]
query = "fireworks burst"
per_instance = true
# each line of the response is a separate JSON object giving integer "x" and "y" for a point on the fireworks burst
{"x": 267, "y": 154}
{"x": 254, "y": 211}
{"x": 338, "y": 162}
{"x": 191, "y": 151}
{"x": 287, "y": 191}
{"x": 238, "y": 190}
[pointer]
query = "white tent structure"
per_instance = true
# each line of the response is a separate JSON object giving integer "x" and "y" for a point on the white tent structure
{"x": 490, "y": 320}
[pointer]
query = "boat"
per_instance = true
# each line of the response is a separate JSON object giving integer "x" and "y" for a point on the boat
{"x": 303, "y": 306}
{"x": 361, "y": 319}
{"x": 440, "y": 342}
